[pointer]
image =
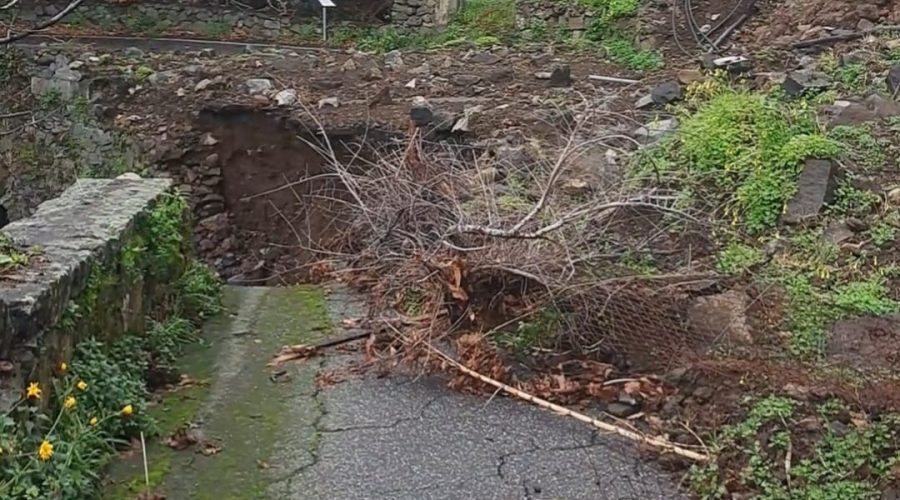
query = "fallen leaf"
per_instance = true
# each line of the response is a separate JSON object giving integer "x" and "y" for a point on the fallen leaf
{"x": 209, "y": 449}
{"x": 370, "y": 347}
{"x": 292, "y": 352}
{"x": 262, "y": 464}
{"x": 179, "y": 439}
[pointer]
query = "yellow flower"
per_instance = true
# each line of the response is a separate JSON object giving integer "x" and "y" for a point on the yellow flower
{"x": 33, "y": 391}
{"x": 63, "y": 367}
{"x": 70, "y": 403}
{"x": 45, "y": 451}
{"x": 93, "y": 421}
{"x": 81, "y": 385}
{"x": 127, "y": 410}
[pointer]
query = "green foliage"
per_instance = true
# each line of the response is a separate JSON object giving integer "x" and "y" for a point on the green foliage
{"x": 139, "y": 23}
{"x": 883, "y": 233}
{"x": 736, "y": 258}
{"x": 12, "y": 257}
{"x": 852, "y": 77}
{"x": 743, "y": 149}
{"x": 869, "y": 297}
{"x": 770, "y": 409}
{"x": 114, "y": 379}
{"x": 624, "y": 52}
{"x": 850, "y": 200}
{"x": 164, "y": 233}
{"x": 479, "y": 18}
{"x": 79, "y": 449}
{"x": 198, "y": 292}
{"x": 536, "y": 332}
{"x": 216, "y": 29}
{"x": 860, "y": 144}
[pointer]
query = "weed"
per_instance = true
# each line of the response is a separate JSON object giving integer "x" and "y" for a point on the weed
{"x": 869, "y": 297}
{"x": 216, "y": 29}
{"x": 852, "y": 77}
{"x": 769, "y": 409}
{"x": 12, "y": 257}
{"x": 745, "y": 150}
{"x": 199, "y": 292}
{"x": 537, "y": 332}
{"x": 883, "y": 233}
{"x": 141, "y": 73}
{"x": 850, "y": 200}
{"x": 10, "y": 65}
{"x": 165, "y": 236}
{"x": 736, "y": 258}
{"x": 860, "y": 144}
{"x": 479, "y": 18}
{"x": 624, "y": 52}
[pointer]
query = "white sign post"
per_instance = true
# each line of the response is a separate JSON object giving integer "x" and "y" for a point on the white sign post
{"x": 325, "y": 5}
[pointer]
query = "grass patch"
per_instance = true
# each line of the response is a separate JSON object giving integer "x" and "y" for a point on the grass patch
{"x": 742, "y": 150}
{"x": 538, "y": 331}
{"x": 736, "y": 258}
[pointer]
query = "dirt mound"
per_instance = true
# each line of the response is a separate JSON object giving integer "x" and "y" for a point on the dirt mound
{"x": 804, "y": 19}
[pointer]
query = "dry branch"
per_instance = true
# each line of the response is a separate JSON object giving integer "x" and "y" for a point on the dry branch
{"x": 660, "y": 444}
{"x": 12, "y": 37}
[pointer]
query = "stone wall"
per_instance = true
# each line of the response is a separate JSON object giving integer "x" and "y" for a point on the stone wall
{"x": 413, "y": 14}
{"x": 96, "y": 269}
{"x": 553, "y": 14}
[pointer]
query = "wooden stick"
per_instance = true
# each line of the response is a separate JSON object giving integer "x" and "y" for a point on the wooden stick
{"x": 843, "y": 38}
{"x": 660, "y": 444}
{"x": 612, "y": 79}
{"x": 146, "y": 470}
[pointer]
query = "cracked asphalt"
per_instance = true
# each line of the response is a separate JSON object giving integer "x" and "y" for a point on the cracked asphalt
{"x": 406, "y": 438}
{"x": 281, "y": 436}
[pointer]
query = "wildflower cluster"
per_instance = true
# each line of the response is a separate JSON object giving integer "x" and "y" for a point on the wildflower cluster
{"x": 53, "y": 442}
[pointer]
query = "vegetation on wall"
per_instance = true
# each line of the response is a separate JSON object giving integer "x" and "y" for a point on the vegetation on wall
{"x": 59, "y": 436}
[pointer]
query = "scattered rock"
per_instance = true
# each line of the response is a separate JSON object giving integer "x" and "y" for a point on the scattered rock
{"x": 856, "y": 225}
{"x": 133, "y": 52}
{"x": 797, "y": 83}
{"x": 464, "y": 123}
{"x": 656, "y": 129}
{"x": 485, "y": 58}
{"x": 893, "y": 196}
{"x": 420, "y": 112}
{"x": 732, "y": 64}
{"x": 815, "y": 189}
{"x": 866, "y": 343}
{"x": 874, "y": 107}
{"x": 411, "y": 84}
{"x": 464, "y": 80}
{"x": 644, "y": 102}
{"x": 722, "y": 316}
{"x": 286, "y": 97}
{"x": 561, "y": 76}
{"x": 334, "y": 102}
{"x": 543, "y": 75}
{"x": 383, "y": 96}
{"x": 893, "y": 80}
{"x": 393, "y": 60}
{"x": 621, "y": 410}
{"x": 499, "y": 75}
{"x": 202, "y": 85}
{"x": 256, "y": 86}
{"x": 130, "y": 176}
{"x": 667, "y": 92}
{"x": 424, "y": 69}
{"x": 797, "y": 392}
{"x": 349, "y": 65}
{"x": 207, "y": 139}
{"x": 837, "y": 232}
{"x": 373, "y": 73}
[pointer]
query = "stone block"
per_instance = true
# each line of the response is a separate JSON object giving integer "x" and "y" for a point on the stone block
{"x": 815, "y": 189}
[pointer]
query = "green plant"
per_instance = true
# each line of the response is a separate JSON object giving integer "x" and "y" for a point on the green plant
{"x": 883, "y": 233}
{"x": 743, "y": 150}
{"x": 624, "y": 52}
{"x": 216, "y": 29}
{"x": 12, "y": 257}
{"x": 141, "y": 73}
{"x": 850, "y": 200}
{"x": 164, "y": 228}
{"x": 869, "y": 297}
{"x": 535, "y": 332}
{"x": 479, "y": 18}
{"x": 198, "y": 292}
{"x": 54, "y": 450}
{"x": 736, "y": 258}
{"x": 860, "y": 144}
{"x": 114, "y": 379}
{"x": 852, "y": 77}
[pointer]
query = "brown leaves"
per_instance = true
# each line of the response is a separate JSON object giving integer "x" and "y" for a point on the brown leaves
{"x": 292, "y": 352}
{"x": 186, "y": 437}
{"x": 454, "y": 273}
